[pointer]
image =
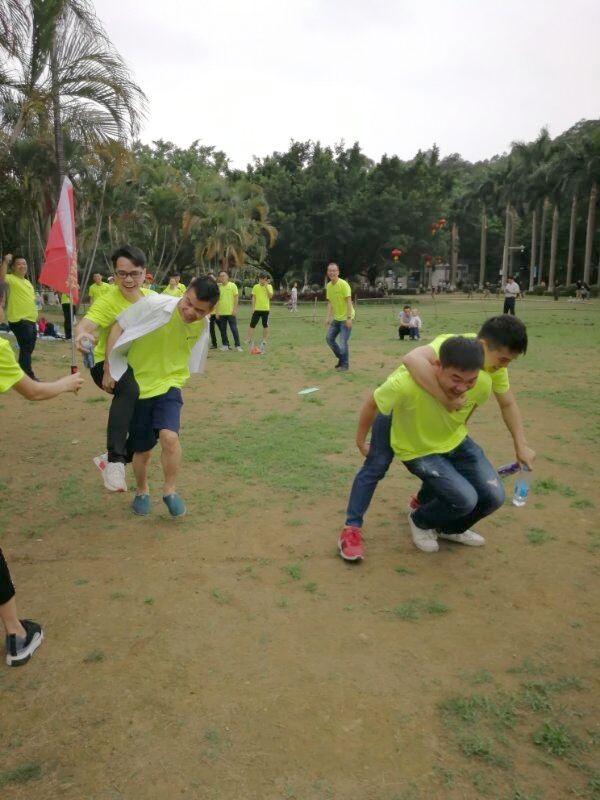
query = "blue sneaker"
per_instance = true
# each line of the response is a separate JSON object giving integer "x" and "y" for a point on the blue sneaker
{"x": 175, "y": 505}
{"x": 141, "y": 504}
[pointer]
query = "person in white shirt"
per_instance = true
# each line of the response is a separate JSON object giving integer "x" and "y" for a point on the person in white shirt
{"x": 294, "y": 298}
{"x": 415, "y": 324}
{"x": 511, "y": 292}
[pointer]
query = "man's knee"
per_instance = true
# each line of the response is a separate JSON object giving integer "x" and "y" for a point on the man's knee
{"x": 492, "y": 494}
{"x": 464, "y": 500}
{"x": 169, "y": 440}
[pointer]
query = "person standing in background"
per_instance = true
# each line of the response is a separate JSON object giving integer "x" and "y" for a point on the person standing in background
{"x": 21, "y": 313}
{"x": 511, "y": 292}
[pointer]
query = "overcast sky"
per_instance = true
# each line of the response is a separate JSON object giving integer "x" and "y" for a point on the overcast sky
{"x": 395, "y": 75}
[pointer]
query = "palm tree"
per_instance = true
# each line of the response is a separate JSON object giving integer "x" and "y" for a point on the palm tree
{"x": 64, "y": 68}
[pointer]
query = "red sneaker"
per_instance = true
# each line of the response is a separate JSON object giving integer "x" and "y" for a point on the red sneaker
{"x": 350, "y": 544}
{"x": 412, "y": 504}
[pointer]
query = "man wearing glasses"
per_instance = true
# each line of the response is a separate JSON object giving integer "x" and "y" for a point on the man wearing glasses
{"x": 129, "y": 265}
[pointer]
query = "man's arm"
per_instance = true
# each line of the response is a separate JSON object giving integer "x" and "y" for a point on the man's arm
{"x": 419, "y": 362}
{"x": 349, "y": 311}
{"x": 38, "y": 390}
{"x": 253, "y": 296}
{"x": 108, "y": 383}
{"x": 236, "y": 300}
{"x": 365, "y": 422}
{"x": 329, "y": 313}
{"x": 511, "y": 415}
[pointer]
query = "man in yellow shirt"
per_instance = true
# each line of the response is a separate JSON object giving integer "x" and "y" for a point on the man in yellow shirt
{"x": 175, "y": 288}
{"x": 129, "y": 264}
{"x": 160, "y": 361}
{"x": 21, "y": 311}
{"x": 423, "y": 419}
{"x": 262, "y": 292}
{"x": 97, "y": 288}
{"x": 340, "y": 315}
{"x": 23, "y": 636}
{"x": 227, "y": 310}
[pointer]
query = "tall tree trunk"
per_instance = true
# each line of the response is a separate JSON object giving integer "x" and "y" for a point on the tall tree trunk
{"x": 59, "y": 145}
{"x": 532, "y": 264}
{"x": 589, "y": 234}
{"x": 573, "y": 225}
{"x": 482, "y": 248}
{"x": 506, "y": 251}
{"x": 553, "y": 241}
{"x": 511, "y": 250}
{"x": 454, "y": 255}
{"x": 542, "y": 241}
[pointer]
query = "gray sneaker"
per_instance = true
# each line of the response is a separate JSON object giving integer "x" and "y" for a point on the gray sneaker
{"x": 425, "y": 540}
{"x": 224, "y": 347}
{"x": 466, "y": 537}
{"x": 18, "y": 649}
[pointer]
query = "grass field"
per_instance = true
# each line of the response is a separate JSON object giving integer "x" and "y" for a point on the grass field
{"x": 231, "y": 655}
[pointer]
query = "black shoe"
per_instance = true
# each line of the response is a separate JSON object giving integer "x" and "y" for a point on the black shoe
{"x": 338, "y": 365}
{"x": 19, "y": 650}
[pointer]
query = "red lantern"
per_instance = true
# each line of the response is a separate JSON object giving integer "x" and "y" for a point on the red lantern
{"x": 396, "y": 253}
{"x": 441, "y": 222}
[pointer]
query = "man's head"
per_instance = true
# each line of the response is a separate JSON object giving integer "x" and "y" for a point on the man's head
{"x": 263, "y": 278}
{"x": 406, "y": 309}
{"x": 129, "y": 264}
{"x": 333, "y": 272}
{"x": 457, "y": 368}
{"x": 510, "y": 279}
{"x": 504, "y": 338}
{"x": 19, "y": 266}
{"x": 223, "y": 277}
{"x": 174, "y": 280}
{"x": 97, "y": 277}
{"x": 199, "y": 300}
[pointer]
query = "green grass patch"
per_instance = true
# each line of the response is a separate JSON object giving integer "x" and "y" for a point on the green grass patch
{"x": 404, "y": 571}
{"x": 582, "y": 504}
{"x": 93, "y": 657}
{"x": 412, "y": 609}
{"x": 557, "y": 740}
{"x": 538, "y": 536}
{"x": 550, "y": 486}
{"x": 294, "y": 571}
{"x": 32, "y": 771}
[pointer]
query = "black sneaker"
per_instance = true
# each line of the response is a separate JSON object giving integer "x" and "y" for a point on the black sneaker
{"x": 19, "y": 650}
{"x": 338, "y": 365}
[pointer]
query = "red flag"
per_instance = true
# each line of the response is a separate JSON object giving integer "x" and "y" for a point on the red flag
{"x": 59, "y": 270}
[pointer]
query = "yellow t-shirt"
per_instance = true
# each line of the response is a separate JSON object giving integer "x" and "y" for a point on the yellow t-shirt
{"x": 227, "y": 292}
{"x": 10, "y": 371}
{"x": 21, "y": 300}
{"x": 263, "y": 295}
{"x": 420, "y": 425}
{"x": 104, "y": 313}
{"x": 175, "y": 291}
{"x": 65, "y": 298}
{"x": 500, "y": 383}
{"x": 96, "y": 290}
{"x": 337, "y": 294}
{"x": 160, "y": 359}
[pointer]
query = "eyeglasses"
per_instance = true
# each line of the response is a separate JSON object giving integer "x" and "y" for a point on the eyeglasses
{"x": 121, "y": 273}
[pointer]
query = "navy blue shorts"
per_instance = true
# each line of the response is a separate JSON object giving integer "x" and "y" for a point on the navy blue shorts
{"x": 150, "y": 416}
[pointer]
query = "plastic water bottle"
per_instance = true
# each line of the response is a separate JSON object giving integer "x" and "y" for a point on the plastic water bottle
{"x": 88, "y": 356}
{"x": 521, "y": 491}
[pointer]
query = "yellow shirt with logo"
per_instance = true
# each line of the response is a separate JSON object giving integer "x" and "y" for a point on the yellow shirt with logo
{"x": 104, "y": 313}
{"x": 420, "y": 425}
{"x": 338, "y": 293}
{"x": 227, "y": 293}
{"x": 499, "y": 377}
{"x": 175, "y": 291}
{"x": 21, "y": 300}
{"x": 96, "y": 290}
{"x": 65, "y": 299}
{"x": 160, "y": 359}
{"x": 10, "y": 371}
{"x": 262, "y": 294}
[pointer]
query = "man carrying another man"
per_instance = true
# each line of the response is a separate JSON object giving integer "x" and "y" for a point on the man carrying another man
{"x": 420, "y": 415}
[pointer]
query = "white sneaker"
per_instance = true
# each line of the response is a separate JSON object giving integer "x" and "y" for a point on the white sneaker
{"x": 239, "y": 349}
{"x": 224, "y": 347}
{"x": 425, "y": 540}
{"x": 467, "y": 537}
{"x": 113, "y": 473}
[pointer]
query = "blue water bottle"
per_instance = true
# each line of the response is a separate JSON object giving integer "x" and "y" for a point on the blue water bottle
{"x": 88, "y": 357}
{"x": 521, "y": 490}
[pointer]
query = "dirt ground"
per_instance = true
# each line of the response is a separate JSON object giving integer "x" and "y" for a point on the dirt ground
{"x": 232, "y": 655}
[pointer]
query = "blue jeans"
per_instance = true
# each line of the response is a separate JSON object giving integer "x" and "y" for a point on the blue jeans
{"x": 459, "y": 488}
{"x": 338, "y": 328}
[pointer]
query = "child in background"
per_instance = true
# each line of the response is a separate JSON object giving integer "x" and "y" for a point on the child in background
{"x": 415, "y": 324}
